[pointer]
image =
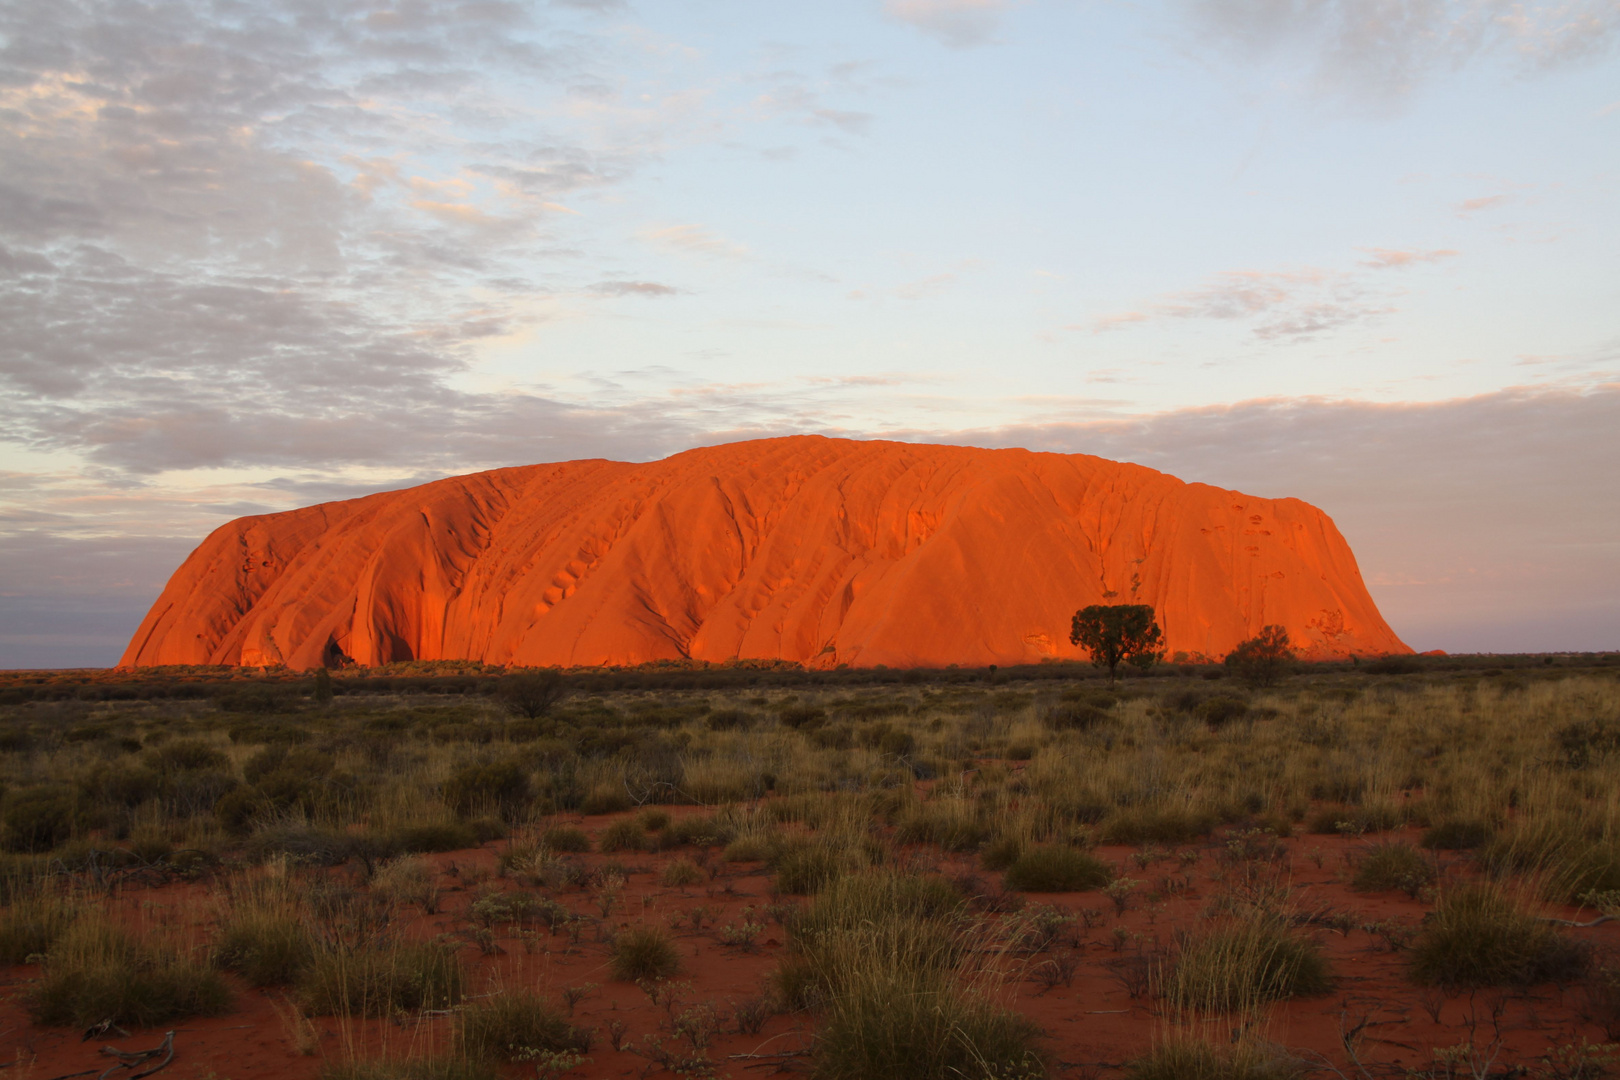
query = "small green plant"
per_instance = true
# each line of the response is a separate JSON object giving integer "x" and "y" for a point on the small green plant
{"x": 515, "y": 1025}
{"x": 1393, "y": 866}
{"x": 644, "y": 952}
{"x": 1480, "y": 936}
{"x": 98, "y": 971}
{"x": 1241, "y": 963}
{"x": 682, "y": 872}
{"x": 381, "y": 980}
{"x": 1054, "y": 868}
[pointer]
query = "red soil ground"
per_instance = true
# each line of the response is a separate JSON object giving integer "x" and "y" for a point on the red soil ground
{"x": 1093, "y": 1025}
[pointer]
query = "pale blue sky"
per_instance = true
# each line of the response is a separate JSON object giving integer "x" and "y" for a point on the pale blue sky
{"x": 1358, "y": 252}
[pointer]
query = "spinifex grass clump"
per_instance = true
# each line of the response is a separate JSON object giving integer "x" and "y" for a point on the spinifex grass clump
{"x": 887, "y": 958}
{"x": 1479, "y": 935}
{"x": 1241, "y": 963}
{"x": 99, "y": 971}
{"x": 380, "y": 980}
{"x": 1393, "y": 866}
{"x": 32, "y": 923}
{"x": 513, "y": 1025}
{"x": 425, "y": 1068}
{"x": 1195, "y": 1059}
{"x": 264, "y": 935}
{"x": 645, "y": 952}
{"x": 1054, "y": 868}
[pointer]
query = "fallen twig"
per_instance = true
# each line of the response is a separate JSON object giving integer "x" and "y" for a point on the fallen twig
{"x": 1599, "y": 921}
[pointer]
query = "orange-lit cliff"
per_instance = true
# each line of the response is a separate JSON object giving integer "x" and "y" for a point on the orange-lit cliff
{"x": 823, "y": 551}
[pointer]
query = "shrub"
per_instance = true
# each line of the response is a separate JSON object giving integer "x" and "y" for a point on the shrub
{"x": 644, "y": 952}
{"x": 532, "y": 694}
{"x": 653, "y": 820}
{"x": 1243, "y": 963}
{"x": 1195, "y": 1059}
{"x": 730, "y": 720}
{"x": 898, "y": 1024}
{"x": 682, "y": 872}
{"x": 503, "y": 785}
{"x": 609, "y": 799}
{"x": 268, "y": 944}
{"x": 566, "y": 838}
{"x": 381, "y": 980}
{"x": 1074, "y": 716}
{"x": 1479, "y": 936}
{"x": 187, "y": 755}
{"x": 31, "y": 925}
{"x": 804, "y": 868}
{"x": 624, "y": 835}
{"x": 802, "y": 716}
{"x": 1053, "y": 868}
{"x": 1393, "y": 866}
{"x": 96, "y": 971}
{"x": 1174, "y": 825}
{"x": 750, "y": 847}
{"x": 511, "y": 1025}
{"x": 1457, "y": 835}
{"x": 408, "y": 880}
{"x": 435, "y": 836}
{"x": 1264, "y": 658}
{"x": 1221, "y": 710}
{"x": 1001, "y": 853}
{"x": 37, "y": 818}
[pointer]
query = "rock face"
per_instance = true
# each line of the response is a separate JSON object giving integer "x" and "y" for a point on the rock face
{"x": 821, "y": 551}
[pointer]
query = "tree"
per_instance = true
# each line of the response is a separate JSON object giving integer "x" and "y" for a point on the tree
{"x": 1262, "y": 659}
{"x": 532, "y": 693}
{"x": 1115, "y": 633}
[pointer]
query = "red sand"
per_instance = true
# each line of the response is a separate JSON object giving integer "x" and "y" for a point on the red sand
{"x": 806, "y": 549}
{"x": 1093, "y": 1026}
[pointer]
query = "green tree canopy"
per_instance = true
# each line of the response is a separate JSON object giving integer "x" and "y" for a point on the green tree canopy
{"x": 1116, "y": 633}
{"x": 1262, "y": 659}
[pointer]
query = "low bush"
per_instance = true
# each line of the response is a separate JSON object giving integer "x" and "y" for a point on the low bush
{"x": 265, "y": 947}
{"x": 1172, "y": 825}
{"x": 1221, "y": 710}
{"x": 37, "y": 819}
{"x": 1478, "y": 936}
{"x": 681, "y": 872}
{"x": 30, "y": 925}
{"x": 1195, "y": 1059}
{"x": 1455, "y": 835}
{"x": 1242, "y": 963}
{"x": 1074, "y": 716}
{"x": 1053, "y": 868}
{"x": 499, "y": 785}
{"x": 434, "y": 836}
{"x": 609, "y": 799}
{"x": 381, "y": 980}
{"x": 802, "y": 869}
{"x": 567, "y": 839}
{"x": 1393, "y": 866}
{"x": 644, "y": 952}
{"x": 408, "y": 880}
{"x": 512, "y": 1026}
{"x": 97, "y": 971}
{"x": 802, "y": 717}
{"x": 623, "y": 835}
{"x": 1001, "y": 853}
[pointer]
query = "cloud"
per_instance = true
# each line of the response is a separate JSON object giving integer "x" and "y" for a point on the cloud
{"x": 961, "y": 24}
{"x": 1485, "y": 202}
{"x": 1290, "y": 304}
{"x": 1472, "y": 518}
{"x": 696, "y": 239}
{"x": 633, "y": 288}
{"x": 1398, "y": 259}
{"x": 1383, "y": 50}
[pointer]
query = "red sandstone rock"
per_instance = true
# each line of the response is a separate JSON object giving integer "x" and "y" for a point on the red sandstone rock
{"x": 822, "y": 551}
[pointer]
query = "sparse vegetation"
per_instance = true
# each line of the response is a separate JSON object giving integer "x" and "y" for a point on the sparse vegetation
{"x": 1480, "y": 935}
{"x": 644, "y": 952}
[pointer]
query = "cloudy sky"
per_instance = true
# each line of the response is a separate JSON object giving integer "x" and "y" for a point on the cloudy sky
{"x": 1362, "y": 252}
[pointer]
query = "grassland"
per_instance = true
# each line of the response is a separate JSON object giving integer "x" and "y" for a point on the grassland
{"x": 913, "y": 874}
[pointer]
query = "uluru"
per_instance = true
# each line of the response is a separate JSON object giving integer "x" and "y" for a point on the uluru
{"x": 806, "y": 549}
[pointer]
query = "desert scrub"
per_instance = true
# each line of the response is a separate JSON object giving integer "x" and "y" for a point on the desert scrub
{"x": 1241, "y": 963}
{"x": 30, "y": 925}
{"x": 97, "y": 971}
{"x": 512, "y": 1025}
{"x": 1393, "y": 866}
{"x": 1195, "y": 1059}
{"x": 414, "y": 1068}
{"x": 899, "y": 1023}
{"x": 623, "y": 835}
{"x": 1479, "y": 935}
{"x": 264, "y": 935}
{"x": 1054, "y": 868}
{"x": 381, "y": 980}
{"x": 681, "y": 872}
{"x": 408, "y": 880}
{"x": 568, "y": 839}
{"x": 644, "y": 952}
{"x": 1455, "y": 835}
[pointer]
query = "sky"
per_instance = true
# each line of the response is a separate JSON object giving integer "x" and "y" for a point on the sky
{"x": 1359, "y": 252}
